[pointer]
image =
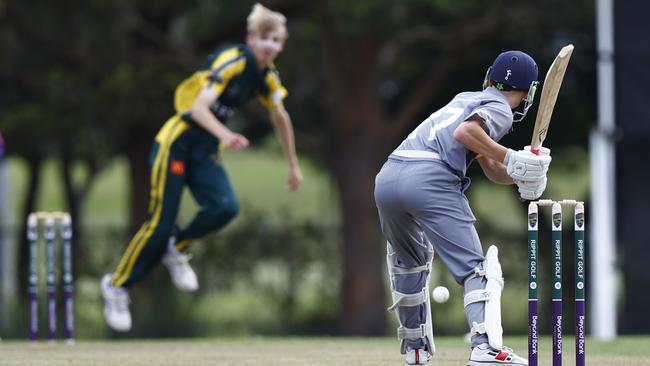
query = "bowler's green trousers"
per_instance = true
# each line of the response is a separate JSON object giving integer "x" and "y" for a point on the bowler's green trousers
{"x": 183, "y": 154}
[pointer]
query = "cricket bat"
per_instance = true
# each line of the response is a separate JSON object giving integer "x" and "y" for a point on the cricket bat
{"x": 551, "y": 87}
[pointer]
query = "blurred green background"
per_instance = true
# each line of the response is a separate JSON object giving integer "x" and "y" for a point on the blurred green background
{"x": 85, "y": 90}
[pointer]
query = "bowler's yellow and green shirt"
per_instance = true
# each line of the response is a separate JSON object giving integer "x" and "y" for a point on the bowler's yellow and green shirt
{"x": 232, "y": 72}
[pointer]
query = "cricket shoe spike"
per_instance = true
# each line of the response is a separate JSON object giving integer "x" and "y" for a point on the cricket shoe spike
{"x": 417, "y": 356}
{"x": 484, "y": 355}
{"x": 116, "y": 306}
{"x": 181, "y": 272}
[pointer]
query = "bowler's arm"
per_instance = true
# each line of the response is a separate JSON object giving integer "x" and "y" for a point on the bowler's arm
{"x": 204, "y": 117}
{"x": 284, "y": 131}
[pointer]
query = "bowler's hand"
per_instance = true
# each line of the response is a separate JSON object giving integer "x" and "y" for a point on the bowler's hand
{"x": 235, "y": 141}
{"x": 294, "y": 181}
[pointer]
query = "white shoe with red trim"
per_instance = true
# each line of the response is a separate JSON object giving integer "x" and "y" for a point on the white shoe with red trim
{"x": 417, "y": 356}
{"x": 484, "y": 355}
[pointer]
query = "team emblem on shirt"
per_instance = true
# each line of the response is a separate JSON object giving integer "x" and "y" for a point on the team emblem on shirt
{"x": 177, "y": 167}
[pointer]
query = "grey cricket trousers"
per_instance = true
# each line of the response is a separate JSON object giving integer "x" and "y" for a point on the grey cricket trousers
{"x": 421, "y": 203}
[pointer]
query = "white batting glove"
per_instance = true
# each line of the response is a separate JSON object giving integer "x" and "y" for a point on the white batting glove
{"x": 523, "y": 165}
{"x": 543, "y": 151}
{"x": 531, "y": 190}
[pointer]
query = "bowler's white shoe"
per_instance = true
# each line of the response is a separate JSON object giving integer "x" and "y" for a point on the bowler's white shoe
{"x": 484, "y": 355}
{"x": 177, "y": 263}
{"x": 116, "y": 306}
{"x": 417, "y": 356}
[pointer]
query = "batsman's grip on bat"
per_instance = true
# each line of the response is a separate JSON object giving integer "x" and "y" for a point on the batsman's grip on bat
{"x": 524, "y": 165}
{"x": 532, "y": 190}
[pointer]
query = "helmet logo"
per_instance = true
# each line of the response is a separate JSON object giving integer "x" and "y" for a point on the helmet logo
{"x": 508, "y": 73}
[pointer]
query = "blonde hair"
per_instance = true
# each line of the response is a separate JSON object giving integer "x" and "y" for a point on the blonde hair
{"x": 262, "y": 20}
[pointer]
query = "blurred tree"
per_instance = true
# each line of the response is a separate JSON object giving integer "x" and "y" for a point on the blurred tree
{"x": 41, "y": 93}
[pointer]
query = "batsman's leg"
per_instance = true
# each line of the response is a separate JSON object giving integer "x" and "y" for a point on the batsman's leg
{"x": 409, "y": 265}
{"x": 410, "y": 288}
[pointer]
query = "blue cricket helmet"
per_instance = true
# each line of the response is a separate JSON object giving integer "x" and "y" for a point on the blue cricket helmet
{"x": 514, "y": 70}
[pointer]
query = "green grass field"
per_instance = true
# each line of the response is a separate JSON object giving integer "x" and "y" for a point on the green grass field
{"x": 290, "y": 351}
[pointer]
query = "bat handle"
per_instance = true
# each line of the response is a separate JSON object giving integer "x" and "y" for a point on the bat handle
{"x": 535, "y": 151}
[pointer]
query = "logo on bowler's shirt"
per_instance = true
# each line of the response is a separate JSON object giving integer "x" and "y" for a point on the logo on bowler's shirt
{"x": 233, "y": 90}
{"x": 177, "y": 167}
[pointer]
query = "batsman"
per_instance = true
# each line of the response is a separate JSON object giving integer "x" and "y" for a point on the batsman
{"x": 420, "y": 195}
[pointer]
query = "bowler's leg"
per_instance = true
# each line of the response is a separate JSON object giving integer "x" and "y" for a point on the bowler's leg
{"x": 150, "y": 242}
{"x": 213, "y": 191}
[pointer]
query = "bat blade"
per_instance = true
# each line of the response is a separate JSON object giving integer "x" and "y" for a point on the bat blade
{"x": 550, "y": 90}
